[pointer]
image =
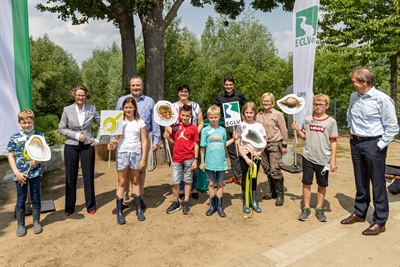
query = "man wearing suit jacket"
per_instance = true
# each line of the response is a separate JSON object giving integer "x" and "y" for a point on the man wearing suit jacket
{"x": 145, "y": 106}
{"x": 76, "y": 125}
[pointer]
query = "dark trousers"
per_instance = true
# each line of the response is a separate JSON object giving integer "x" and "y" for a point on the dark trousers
{"x": 71, "y": 160}
{"x": 22, "y": 193}
{"x": 245, "y": 167}
{"x": 233, "y": 154}
{"x": 369, "y": 165}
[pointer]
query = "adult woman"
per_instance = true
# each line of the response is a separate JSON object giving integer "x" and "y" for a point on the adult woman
{"x": 76, "y": 126}
{"x": 277, "y": 137}
{"x": 197, "y": 120}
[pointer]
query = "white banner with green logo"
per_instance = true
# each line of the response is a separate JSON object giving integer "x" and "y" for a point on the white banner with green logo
{"x": 15, "y": 82}
{"x": 305, "y": 22}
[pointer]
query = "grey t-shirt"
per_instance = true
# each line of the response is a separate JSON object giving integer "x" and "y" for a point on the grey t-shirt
{"x": 318, "y": 134}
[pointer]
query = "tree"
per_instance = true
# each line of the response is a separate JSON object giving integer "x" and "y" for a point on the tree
{"x": 369, "y": 30}
{"x": 53, "y": 74}
{"x": 154, "y": 25}
{"x": 119, "y": 12}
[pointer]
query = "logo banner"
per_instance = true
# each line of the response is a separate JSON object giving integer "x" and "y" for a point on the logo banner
{"x": 305, "y": 22}
{"x": 231, "y": 113}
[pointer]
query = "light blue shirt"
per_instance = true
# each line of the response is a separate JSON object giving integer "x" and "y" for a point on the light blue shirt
{"x": 145, "y": 107}
{"x": 214, "y": 140}
{"x": 373, "y": 114}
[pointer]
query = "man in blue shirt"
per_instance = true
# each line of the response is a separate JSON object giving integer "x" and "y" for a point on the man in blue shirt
{"x": 145, "y": 106}
{"x": 372, "y": 124}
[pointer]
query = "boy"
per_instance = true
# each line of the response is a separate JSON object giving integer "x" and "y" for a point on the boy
{"x": 26, "y": 171}
{"x": 213, "y": 142}
{"x": 185, "y": 139}
{"x": 319, "y": 154}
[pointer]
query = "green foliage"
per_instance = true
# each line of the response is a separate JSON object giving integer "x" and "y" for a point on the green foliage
{"x": 46, "y": 123}
{"x": 53, "y": 74}
{"x": 53, "y": 138}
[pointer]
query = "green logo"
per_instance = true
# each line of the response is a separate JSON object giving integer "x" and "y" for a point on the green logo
{"x": 306, "y": 22}
{"x": 230, "y": 108}
{"x": 306, "y": 26}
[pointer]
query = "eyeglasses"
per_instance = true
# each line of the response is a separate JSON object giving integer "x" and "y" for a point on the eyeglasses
{"x": 319, "y": 105}
{"x": 266, "y": 101}
{"x": 82, "y": 96}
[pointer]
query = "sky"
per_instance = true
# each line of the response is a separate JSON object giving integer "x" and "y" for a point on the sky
{"x": 80, "y": 40}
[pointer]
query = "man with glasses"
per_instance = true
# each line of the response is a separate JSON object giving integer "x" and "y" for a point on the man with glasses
{"x": 372, "y": 123}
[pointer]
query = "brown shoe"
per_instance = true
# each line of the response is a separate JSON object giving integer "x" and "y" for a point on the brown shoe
{"x": 352, "y": 219}
{"x": 239, "y": 182}
{"x": 114, "y": 211}
{"x": 230, "y": 180}
{"x": 374, "y": 229}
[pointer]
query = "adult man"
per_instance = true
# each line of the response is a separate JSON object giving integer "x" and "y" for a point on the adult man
{"x": 372, "y": 123}
{"x": 145, "y": 106}
{"x": 231, "y": 95}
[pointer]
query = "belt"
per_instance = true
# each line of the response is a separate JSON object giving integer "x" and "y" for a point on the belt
{"x": 361, "y": 138}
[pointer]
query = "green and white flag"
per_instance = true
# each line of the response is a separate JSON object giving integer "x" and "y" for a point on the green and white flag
{"x": 15, "y": 80}
{"x": 305, "y": 22}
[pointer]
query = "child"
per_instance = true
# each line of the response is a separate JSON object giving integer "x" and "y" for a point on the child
{"x": 320, "y": 132}
{"x": 20, "y": 163}
{"x": 249, "y": 155}
{"x": 131, "y": 156}
{"x": 213, "y": 142}
{"x": 185, "y": 139}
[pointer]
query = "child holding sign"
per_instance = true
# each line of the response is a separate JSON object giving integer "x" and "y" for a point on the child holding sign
{"x": 26, "y": 171}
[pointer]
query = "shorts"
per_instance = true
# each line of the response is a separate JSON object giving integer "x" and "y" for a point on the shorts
{"x": 182, "y": 167}
{"x": 309, "y": 169}
{"x": 215, "y": 176}
{"x": 128, "y": 159}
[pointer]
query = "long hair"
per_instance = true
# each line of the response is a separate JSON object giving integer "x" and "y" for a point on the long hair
{"x": 249, "y": 105}
{"x": 133, "y": 102}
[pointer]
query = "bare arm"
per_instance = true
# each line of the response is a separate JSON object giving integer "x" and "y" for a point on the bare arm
{"x": 196, "y": 152}
{"x": 21, "y": 177}
{"x": 202, "y": 150}
{"x": 145, "y": 150}
{"x": 333, "y": 155}
{"x": 300, "y": 134}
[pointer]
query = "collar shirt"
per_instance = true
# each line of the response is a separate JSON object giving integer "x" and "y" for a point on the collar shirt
{"x": 80, "y": 115}
{"x": 373, "y": 114}
{"x": 225, "y": 98}
{"x": 145, "y": 107}
{"x": 275, "y": 126}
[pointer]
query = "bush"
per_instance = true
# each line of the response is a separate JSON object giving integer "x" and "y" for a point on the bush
{"x": 53, "y": 138}
{"x": 46, "y": 123}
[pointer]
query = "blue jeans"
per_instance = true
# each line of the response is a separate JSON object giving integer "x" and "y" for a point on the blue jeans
{"x": 22, "y": 193}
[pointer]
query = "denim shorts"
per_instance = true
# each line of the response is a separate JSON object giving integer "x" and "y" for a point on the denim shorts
{"x": 128, "y": 159}
{"x": 182, "y": 167}
{"x": 215, "y": 176}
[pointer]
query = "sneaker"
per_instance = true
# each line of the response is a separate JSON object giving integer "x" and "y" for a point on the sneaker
{"x": 305, "y": 213}
{"x": 185, "y": 208}
{"x": 319, "y": 212}
{"x": 174, "y": 207}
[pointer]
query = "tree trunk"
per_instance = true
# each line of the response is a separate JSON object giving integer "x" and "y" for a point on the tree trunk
{"x": 128, "y": 44}
{"x": 153, "y": 30}
{"x": 393, "y": 78}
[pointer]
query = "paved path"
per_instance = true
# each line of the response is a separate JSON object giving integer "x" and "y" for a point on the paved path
{"x": 332, "y": 244}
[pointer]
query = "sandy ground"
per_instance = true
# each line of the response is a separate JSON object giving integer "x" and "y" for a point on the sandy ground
{"x": 167, "y": 239}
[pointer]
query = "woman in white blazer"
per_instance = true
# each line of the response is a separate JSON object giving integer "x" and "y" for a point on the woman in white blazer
{"x": 76, "y": 125}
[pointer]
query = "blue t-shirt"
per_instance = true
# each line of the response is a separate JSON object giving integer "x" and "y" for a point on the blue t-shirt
{"x": 22, "y": 159}
{"x": 214, "y": 140}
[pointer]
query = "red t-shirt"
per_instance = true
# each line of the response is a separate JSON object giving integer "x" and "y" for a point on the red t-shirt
{"x": 184, "y": 137}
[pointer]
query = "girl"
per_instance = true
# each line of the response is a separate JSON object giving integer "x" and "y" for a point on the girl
{"x": 249, "y": 155}
{"x": 131, "y": 156}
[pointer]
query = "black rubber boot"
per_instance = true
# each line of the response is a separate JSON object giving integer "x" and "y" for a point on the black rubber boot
{"x": 37, "y": 227}
{"x": 272, "y": 189}
{"x": 120, "y": 215}
{"x": 245, "y": 208}
{"x": 220, "y": 210}
{"x": 279, "y": 190}
{"x": 254, "y": 204}
{"x": 21, "y": 230}
{"x": 213, "y": 206}
{"x": 139, "y": 211}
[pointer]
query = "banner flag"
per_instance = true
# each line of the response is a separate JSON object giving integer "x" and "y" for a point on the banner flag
{"x": 15, "y": 80}
{"x": 305, "y": 22}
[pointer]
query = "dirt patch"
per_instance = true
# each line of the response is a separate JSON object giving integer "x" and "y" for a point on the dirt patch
{"x": 167, "y": 239}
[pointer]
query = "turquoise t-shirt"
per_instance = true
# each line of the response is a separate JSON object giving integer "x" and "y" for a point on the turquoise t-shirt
{"x": 214, "y": 140}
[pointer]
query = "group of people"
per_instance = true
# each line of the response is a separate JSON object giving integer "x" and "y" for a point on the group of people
{"x": 372, "y": 126}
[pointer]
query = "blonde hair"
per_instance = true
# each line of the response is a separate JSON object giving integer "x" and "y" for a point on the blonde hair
{"x": 322, "y": 97}
{"x": 270, "y": 95}
{"x": 26, "y": 114}
{"x": 249, "y": 105}
{"x": 214, "y": 110}
{"x": 80, "y": 87}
